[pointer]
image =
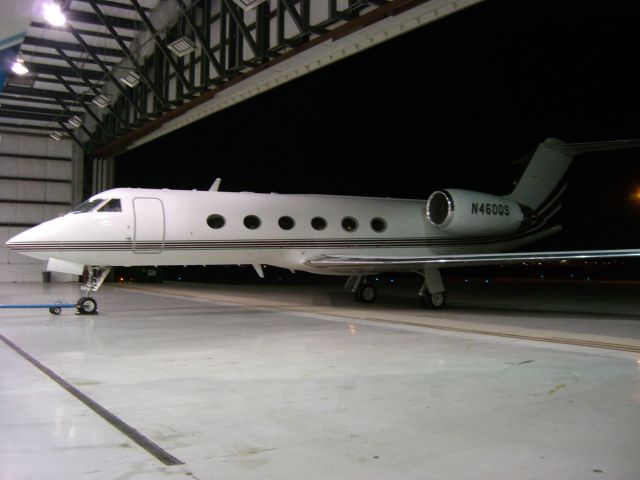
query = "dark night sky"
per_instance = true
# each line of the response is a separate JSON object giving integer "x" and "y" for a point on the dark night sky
{"x": 451, "y": 104}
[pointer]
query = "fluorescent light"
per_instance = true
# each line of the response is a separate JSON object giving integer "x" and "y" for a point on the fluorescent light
{"x": 182, "y": 47}
{"x": 248, "y": 4}
{"x": 57, "y": 136}
{"x": 53, "y": 14}
{"x": 19, "y": 67}
{"x": 102, "y": 100}
{"x": 75, "y": 121}
{"x": 131, "y": 78}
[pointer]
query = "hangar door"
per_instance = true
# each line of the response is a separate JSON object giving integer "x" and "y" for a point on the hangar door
{"x": 148, "y": 236}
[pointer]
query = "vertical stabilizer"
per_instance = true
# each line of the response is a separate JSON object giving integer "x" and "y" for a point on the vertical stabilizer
{"x": 542, "y": 182}
{"x": 544, "y": 175}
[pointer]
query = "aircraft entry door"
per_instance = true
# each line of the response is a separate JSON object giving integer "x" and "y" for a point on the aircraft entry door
{"x": 148, "y": 225}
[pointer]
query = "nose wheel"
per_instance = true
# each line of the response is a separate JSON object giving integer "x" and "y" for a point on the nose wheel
{"x": 87, "y": 306}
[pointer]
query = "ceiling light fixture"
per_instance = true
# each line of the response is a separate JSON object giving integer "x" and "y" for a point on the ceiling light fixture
{"x": 18, "y": 67}
{"x": 102, "y": 100}
{"x": 131, "y": 78}
{"x": 75, "y": 121}
{"x": 53, "y": 14}
{"x": 57, "y": 136}
{"x": 182, "y": 47}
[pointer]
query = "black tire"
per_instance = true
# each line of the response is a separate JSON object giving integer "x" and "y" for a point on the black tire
{"x": 55, "y": 310}
{"x": 434, "y": 301}
{"x": 87, "y": 306}
{"x": 365, "y": 294}
{"x": 368, "y": 293}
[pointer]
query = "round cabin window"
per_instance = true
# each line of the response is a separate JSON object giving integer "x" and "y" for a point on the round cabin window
{"x": 318, "y": 223}
{"x": 215, "y": 221}
{"x": 378, "y": 225}
{"x": 286, "y": 223}
{"x": 350, "y": 224}
{"x": 251, "y": 222}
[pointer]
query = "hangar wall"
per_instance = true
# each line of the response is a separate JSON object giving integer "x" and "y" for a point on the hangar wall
{"x": 36, "y": 184}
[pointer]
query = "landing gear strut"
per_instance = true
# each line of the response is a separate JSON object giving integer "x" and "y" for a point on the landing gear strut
{"x": 95, "y": 276}
{"x": 362, "y": 291}
{"x": 432, "y": 290}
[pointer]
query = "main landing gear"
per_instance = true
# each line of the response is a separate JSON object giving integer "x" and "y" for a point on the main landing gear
{"x": 431, "y": 293}
{"x": 95, "y": 276}
{"x": 362, "y": 291}
{"x": 432, "y": 290}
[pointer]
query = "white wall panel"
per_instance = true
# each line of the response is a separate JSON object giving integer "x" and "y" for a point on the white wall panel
{"x": 58, "y": 192}
{"x": 58, "y": 170}
{"x": 32, "y": 168}
{"x": 53, "y": 211}
{"x": 21, "y": 273}
{"x": 9, "y": 213}
{"x": 4, "y": 254}
{"x": 9, "y": 166}
{"x": 30, "y": 213}
{"x": 24, "y": 159}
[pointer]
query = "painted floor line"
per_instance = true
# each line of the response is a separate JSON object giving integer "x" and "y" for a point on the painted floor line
{"x": 134, "y": 435}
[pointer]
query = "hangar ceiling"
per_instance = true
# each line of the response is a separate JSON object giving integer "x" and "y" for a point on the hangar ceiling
{"x": 121, "y": 72}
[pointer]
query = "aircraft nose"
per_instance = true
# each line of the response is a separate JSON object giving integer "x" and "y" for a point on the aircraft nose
{"x": 45, "y": 232}
{"x": 21, "y": 238}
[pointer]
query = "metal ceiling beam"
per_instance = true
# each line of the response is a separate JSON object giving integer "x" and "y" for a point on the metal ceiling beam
{"x": 203, "y": 42}
{"x": 107, "y": 3}
{"x": 108, "y": 72}
{"x": 92, "y": 19}
{"x": 38, "y": 92}
{"x": 51, "y": 56}
{"x": 236, "y": 15}
{"x": 30, "y": 127}
{"x": 357, "y": 21}
{"x": 88, "y": 33}
{"x": 72, "y": 47}
{"x": 301, "y": 23}
{"x": 167, "y": 54}
{"x": 72, "y": 113}
{"x": 85, "y": 106}
{"x": 116, "y": 36}
{"x": 10, "y": 98}
{"x": 67, "y": 72}
{"x": 95, "y": 88}
{"x": 73, "y": 137}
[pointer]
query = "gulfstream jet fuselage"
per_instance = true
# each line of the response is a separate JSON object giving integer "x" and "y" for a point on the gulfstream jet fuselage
{"x": 336, "y": 235}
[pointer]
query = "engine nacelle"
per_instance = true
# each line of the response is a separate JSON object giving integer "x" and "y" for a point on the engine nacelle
{"x": 463, "y": 212}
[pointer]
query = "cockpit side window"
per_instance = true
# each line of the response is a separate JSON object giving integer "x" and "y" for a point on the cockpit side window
{"x": 87, "y": 206}
{"x": 112, "y": 205}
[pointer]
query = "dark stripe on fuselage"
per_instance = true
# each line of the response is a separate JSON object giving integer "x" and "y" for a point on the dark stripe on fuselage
{"x": 176, "y": 245}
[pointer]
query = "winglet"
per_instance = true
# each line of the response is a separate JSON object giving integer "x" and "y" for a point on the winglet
{"x": 215, "y": 186}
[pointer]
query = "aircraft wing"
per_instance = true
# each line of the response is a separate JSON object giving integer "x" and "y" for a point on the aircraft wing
{"x": 464, "y": 260}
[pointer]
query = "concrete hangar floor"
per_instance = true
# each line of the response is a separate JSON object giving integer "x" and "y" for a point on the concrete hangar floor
{"x": 225, "y": 382}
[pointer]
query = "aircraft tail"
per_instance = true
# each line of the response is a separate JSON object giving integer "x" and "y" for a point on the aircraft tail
{"x": 543, "y": 182}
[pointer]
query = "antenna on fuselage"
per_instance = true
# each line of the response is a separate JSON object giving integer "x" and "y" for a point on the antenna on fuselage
{"x": 215, "y": 186}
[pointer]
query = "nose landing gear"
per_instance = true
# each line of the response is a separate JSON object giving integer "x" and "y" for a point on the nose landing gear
{"x": 87, "y": 306}
{"x": 95, "y": 276}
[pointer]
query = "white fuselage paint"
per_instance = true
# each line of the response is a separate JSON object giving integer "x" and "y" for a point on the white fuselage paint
{"x": 169, "y": 227}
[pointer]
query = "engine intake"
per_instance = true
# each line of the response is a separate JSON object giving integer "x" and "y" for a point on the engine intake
{"x": 464, "y": 212}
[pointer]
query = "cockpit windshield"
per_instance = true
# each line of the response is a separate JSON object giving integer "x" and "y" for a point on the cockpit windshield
{"x": 112, "y": 205}
{"x": 87, "y": 206}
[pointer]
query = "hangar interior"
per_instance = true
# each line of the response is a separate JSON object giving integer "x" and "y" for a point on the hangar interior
{"x": 187, "y": 381}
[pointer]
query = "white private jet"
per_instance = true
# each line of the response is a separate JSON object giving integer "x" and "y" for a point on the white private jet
{"x": 331, "y": 235}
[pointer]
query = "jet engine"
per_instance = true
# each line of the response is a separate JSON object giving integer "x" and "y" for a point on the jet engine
{"x": 463, "y": 212}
